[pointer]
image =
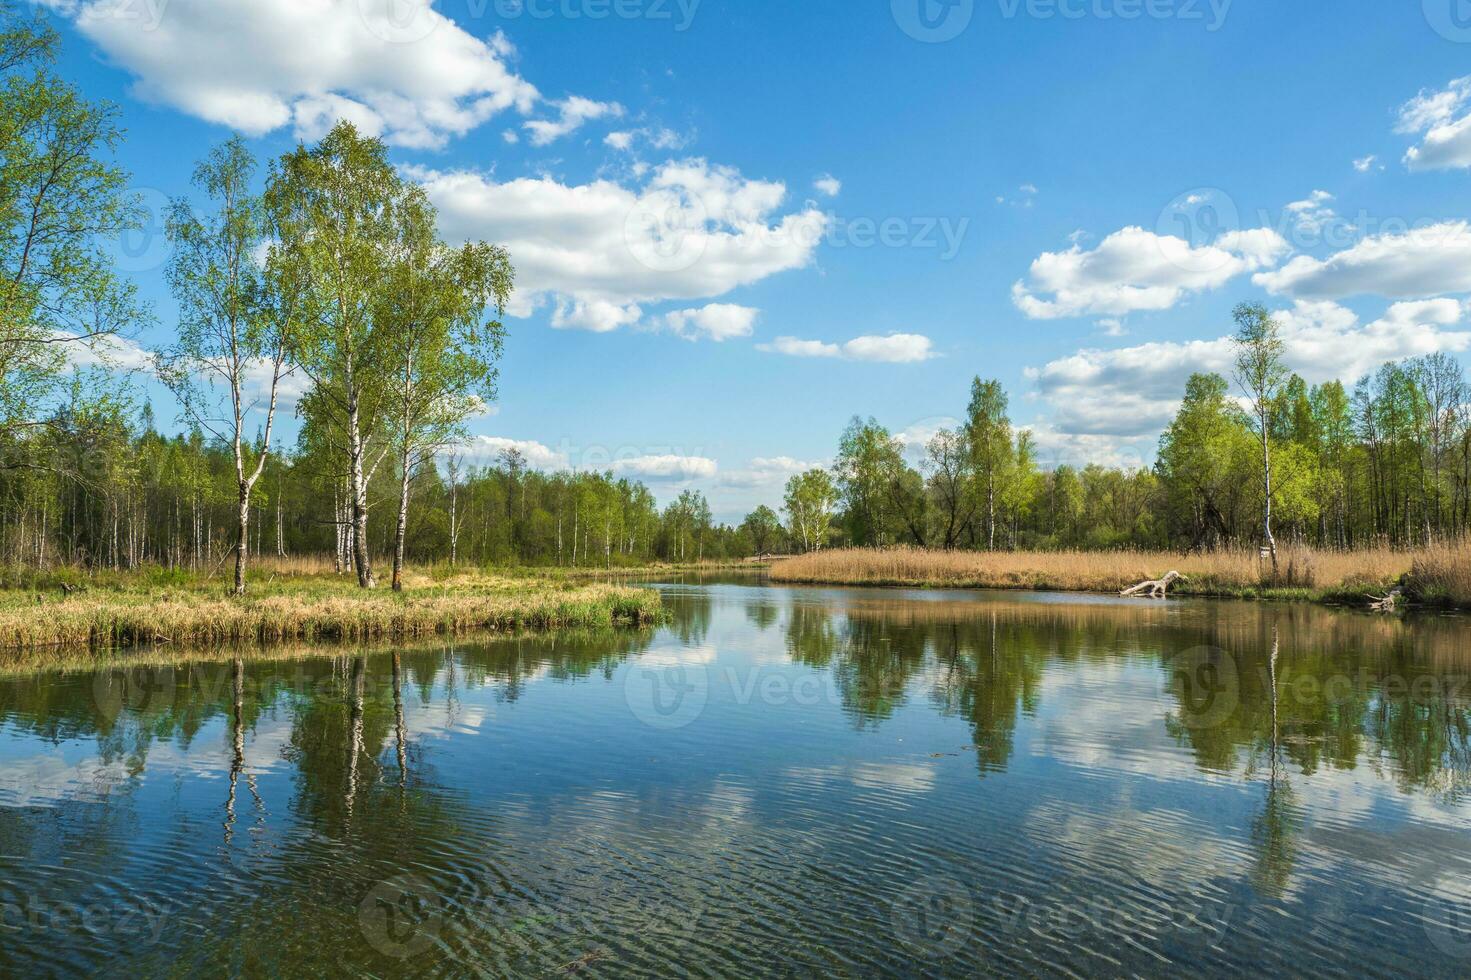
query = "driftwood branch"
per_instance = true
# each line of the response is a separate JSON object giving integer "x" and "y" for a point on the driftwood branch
{"x": 1388, "y": 602}
{"x": 1155, "y": 588}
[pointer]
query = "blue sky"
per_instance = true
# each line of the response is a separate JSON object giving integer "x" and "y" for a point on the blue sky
{"x": 739, "y": 223}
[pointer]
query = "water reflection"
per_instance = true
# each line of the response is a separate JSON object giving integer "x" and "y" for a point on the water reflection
{"x": 871, "y": 780}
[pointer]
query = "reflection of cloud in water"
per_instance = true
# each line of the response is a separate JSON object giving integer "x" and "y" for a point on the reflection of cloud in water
{"x": 898, "y": 777}
{"x": 679, "y": 656}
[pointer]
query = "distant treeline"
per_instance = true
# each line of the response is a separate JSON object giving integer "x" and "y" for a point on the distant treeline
{"x": 110, "y": 491}
{"x": 1388, "y": 462}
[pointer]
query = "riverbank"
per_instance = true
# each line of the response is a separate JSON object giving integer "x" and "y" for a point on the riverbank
{"x": 1437, "y": 576}
{"x": 145, "y": 609}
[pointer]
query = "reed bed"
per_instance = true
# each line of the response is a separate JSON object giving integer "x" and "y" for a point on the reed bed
{"x": 308, "y": 609}
{"x": 1302, "y": 573}
{"x": 1442, "y": 573}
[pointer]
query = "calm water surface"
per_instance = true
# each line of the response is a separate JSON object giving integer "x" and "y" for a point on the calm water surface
{"x": 781, "y": 782}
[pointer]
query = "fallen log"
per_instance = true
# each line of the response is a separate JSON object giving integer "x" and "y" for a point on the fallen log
{"x": 1388, "y": 602}
{"x": 1155, "y": 588}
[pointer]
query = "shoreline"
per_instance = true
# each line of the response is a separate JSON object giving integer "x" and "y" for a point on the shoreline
{"x": 311, "y": 610}
{"x": 1340, "y": 579}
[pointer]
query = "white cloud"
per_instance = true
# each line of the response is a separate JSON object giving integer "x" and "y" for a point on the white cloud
{"x": 484, "y": 450}
{"x": 768, "y": 473}
{"x": 793, "y": 347}
{"x": 259, "y": 65}
{"x": 829, "y": 185}
{"x": 597, "y": 315}
{"x": 692, "y": 230}
{"x": 1314, "y": 213}
{"x": 717, "y": 322}
{"x": 1439, "y": 116}
{"x": 1134, "y": 269}
{"x": 667, "y": 468}
{"x": 573, "y": 113}
{"x": 1135, "y": 391}
{"x": 1112, "y": 326}
{"x": 110, "y": 351}
{"x": 1364, "y": 164}
{"x": 894, "y": 348}
{"x": 1423, "y": 262}
{"x": 656, "y": 138}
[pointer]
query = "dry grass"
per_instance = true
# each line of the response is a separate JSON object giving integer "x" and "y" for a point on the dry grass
{"x": 1442, "y": 573}
{"x": 1302, "y": 573}
{"x": 124, "y": 612}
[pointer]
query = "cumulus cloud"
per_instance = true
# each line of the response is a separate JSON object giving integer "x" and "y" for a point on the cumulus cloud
{"x": 1135, "y": 391}
{"x": 690, "y": 230}
{"x": 1440, "y": 118}
{"x": 657, "y": 138}
{"x": 1134, "y": 269}
{"x": 484, "y": 450}
{"x": 666, "y": 468}
{"x": 572, "y": 114}
{"x": 717, "y": 322}
{"x": 829, "y": 185}
{"x": 769, "y": 473}
{"x": 259, "y": 65}
{"x": 894, "y": 348}
{"x": 109, "y": 351}
{"x": 1364, "y": 164}
{"x": 1313, "y": 213}
{"x": 597, "y": 315}
{"x": 1423, "y": 262}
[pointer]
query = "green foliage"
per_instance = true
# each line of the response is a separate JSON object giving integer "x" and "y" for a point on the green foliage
{"x": 59, "y": 197}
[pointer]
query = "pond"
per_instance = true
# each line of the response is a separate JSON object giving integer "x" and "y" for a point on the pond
{"x": 782, "y": 781}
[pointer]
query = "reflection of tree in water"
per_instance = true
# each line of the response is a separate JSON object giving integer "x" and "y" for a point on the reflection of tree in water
{"x": 813, "y": 636}
{"x": 878, "y": 659}
{"x": 763, "y": 613}
{"x": 1275, "y": 829}
{"x": 1340, "y": 699}
{"x": 989, "y": 671}
{"x": 690, "y": 614}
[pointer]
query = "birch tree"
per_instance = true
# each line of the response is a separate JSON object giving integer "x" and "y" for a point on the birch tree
{"x": 1261, "y": 374}
{"x": 235, "y": 322}
{"x": 444, "y": 349}
{"x": 341, "y": 211}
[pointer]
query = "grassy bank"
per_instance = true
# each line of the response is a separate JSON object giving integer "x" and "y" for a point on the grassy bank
{"x": 125, "y": 610}
{"x": 1439, "y": 575}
